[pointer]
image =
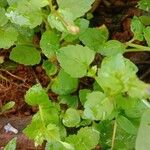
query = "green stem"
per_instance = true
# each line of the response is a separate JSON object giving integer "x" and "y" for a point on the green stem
{"x": 60, "y": 17}
{"x": 51, "y": 6}
{"x": 42, "y": 118}
{"x": 47, "y": 26}
{"x": 50, "y": 84}
{"x": 29, "y": 44}
{"x": 136, "y": 47}
{"x": 114, "y": 134}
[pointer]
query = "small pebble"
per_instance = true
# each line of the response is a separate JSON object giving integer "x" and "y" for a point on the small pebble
{"x": 10, "y": 128}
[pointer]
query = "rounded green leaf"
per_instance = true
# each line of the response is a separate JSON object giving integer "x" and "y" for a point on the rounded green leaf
{"x": 115, "y": 73}
{"x": 77, "y": 7}
{"x": 50, "y": 68}
{"x": 36, "y": 95}
{"x": 75, "y": 59}
{"x": 147, "y": 35}
{"x": 94, "y": 38}
{"x": 25, "y": 13}
{"x": 49, "y": 43}
{"x": 3, "y": 18}
{"x": 86, "y": 139}
{"x": 71, "y": 118}
{"x": 97, "y": 106}
{"x": 8, "y": 35}
{"x": 64, "y": 84}
{"x": 25, "y": 55}
{"x": 112, "y": 47}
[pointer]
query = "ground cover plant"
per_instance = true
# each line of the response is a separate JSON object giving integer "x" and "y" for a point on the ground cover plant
{"x": 112, "y": 110}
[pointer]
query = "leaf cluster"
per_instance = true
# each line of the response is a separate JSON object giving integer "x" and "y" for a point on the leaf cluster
{"x": 113, "y": 112}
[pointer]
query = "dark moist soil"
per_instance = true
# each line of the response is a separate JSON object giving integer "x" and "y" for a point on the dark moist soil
{"x": 17, "y": 79}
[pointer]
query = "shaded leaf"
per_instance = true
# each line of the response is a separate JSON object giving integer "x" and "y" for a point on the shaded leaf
{"x": 73, "y": 6}
{"x": 112, "y": 47}
{"x": 49, "y": 43}
{"x": 64, "y": 84}
{"x": 94, "y": 38}
{"x": 11, "y": 145}
{"x": 71, "y": 118}
{"x": 143, "y": 138}
{"x": 22, "y": 55}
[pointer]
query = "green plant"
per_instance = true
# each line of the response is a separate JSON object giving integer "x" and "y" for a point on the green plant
{"x": 108, "y": 114}
{"x": 7, "y": 107}
{"x": 11, "y": 145}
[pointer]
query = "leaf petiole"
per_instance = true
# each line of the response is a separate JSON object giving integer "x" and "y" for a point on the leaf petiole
{"x": 114, "y": 134}
{"x": 136, "y": 47}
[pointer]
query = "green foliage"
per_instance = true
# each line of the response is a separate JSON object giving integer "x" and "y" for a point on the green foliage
{"x": 73, "y": 6}
{"x": 8, "y": 36}
{"x": 145, "y": 19}
{"x": 71, "y": 118}
{"x": 132, "y": 107}
{"x": 137, "y": 28}
{"x": 126, "y": 125}
{"x": 37, "y": 96}
{"x": 64, "y": 84}
{"x": 112, "y": 47}
{"x": 98, "y": 98}
{"x": 117, "y": 71}
{"x": 77, "y": 56}
{"x": 3, "y": 3}
{"x": 144, "y": 4}
{"x": 11, "y": 145}
{"x": 71, "y": 101}
{"x": 49, "y": 67}
{"x": 49, "y": 43}
{"x": 86, "y": 139}
{"x": 97, "y": 106}
{"x": 83, "y": 24}
{"x": 63, "y": 23}
{"x": 94, "y": 38}
{"x": 83, "y": 95}
{"x": 147, "y": 35}
{"x": 142, "y": 141}
{"x": 43, "y": 125}
{"x": 58, "y": 146}
{"x": 3, "y": 18}
{"x": 22, "y": 55}
{"x": 26, "y": 13}
{"x": 7, "y": 106}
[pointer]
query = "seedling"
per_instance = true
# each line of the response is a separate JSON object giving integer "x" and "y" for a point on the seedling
{"x": 109, "y": 113}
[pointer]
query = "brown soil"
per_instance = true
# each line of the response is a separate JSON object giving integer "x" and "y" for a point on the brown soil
{"x": 23, "y": 143}
{"x": 116, "y": 15}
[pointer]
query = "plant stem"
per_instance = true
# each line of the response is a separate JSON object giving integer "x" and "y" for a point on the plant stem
{"x": 51, "y": 6}
{"x": 50, "y": 84}
{"x": 136, "y": 47}
{"x": 114, "y": 134}
{"x": 57, "y": 14}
